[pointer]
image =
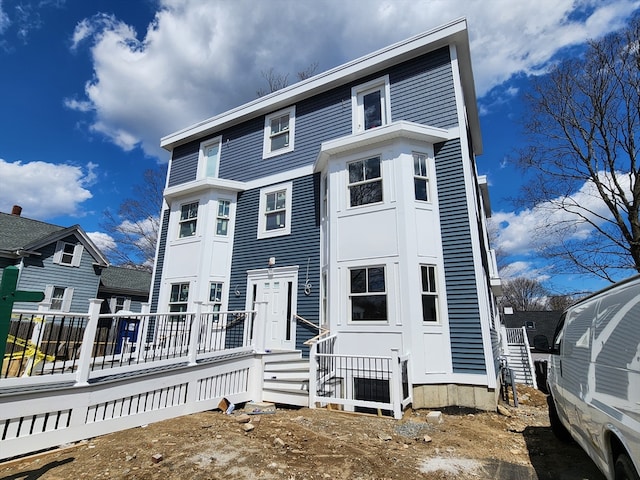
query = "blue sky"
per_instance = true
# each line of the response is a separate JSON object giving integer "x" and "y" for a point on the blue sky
{"x": 88, "y": 88}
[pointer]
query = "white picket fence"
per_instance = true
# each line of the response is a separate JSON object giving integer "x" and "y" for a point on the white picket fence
{"x": 114, "y": 379}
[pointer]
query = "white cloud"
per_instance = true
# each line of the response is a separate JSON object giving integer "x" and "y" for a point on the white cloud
{"x": 103, "y": 241}
{"x": 197, "y": 59}
{"x": 44, "y": 190}
{"x": 522, "y": 269}
{"x": 523, "y": 232}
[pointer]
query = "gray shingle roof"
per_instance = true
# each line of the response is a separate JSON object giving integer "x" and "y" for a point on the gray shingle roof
{"x": 17, "y": 232}
{"x": 116, "y": 279}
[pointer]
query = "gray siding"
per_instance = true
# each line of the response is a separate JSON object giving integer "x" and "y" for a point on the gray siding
{"x": 4, "y": 263}
{"x": 421, "y": 91}
{"x": 38, "y": 272}
{"x": 467, "y": 349}
{"x": 155, "y": 287}
{"x": 300, "y": 248}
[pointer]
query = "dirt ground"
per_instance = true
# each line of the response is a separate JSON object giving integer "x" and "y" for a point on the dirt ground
{"x": 320, "y": 444}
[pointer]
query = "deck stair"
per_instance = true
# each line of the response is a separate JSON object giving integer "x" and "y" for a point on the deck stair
{"x": 519, "y": 357}
{"x": 286, "y": 378}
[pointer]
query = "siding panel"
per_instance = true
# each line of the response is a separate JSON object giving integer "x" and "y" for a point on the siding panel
{"x": 155, "y": 289}
{"x": 467, "y": 348}
{"x": 301, "y": 247}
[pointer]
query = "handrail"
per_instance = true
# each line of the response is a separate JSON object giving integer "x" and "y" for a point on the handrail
{"x": 322, "y": 331}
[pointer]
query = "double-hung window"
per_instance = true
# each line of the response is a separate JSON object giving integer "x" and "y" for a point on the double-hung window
{"x": 222, "y": 219}
{"x": 68, "y": 254}
{"x": 275, "y": 211}
{"x": 370, "y": 104}
{"x": 429, "y": 293}
{"x": 215, "y": 298}
{"x": 420, "y": 177}
{"x": 365, "y": 182}
{"x": 59, "y": 297}
{"x": 279, "y": 131}
{"x": 368, "y": 294}
{"x": 178, "y": 300}
{"x": 188, "y": 219}
{"x": 209, "y": 158}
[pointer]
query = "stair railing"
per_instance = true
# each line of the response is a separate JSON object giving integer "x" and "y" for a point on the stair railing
{"x": 323, "y": 332}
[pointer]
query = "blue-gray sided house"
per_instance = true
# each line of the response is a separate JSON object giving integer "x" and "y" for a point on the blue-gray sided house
{"x": 351, "y": 201}
{"x": 67, "y": 266}
{"x": 61, "y": 262}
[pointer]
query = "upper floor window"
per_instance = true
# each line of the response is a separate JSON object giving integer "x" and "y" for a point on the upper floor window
{"x": 279, "y": 131}
{"x": 365, "y": 182}
{"x": 368, "y": 294}
{"x": 117, "y": 304}
{"x": 222, "y": 220}
{"x": 188, "y": 219}
{"x": 275, "y": 211}
{"x": 209, "y": 158}
{"x": 429, "y": 293}
{"x": 420, "y": 177}
{"x": 68, "y": 254}
{"x": 370, "y": 104}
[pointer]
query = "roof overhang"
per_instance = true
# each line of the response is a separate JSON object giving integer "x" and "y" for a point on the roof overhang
{"x": 452, "y": 33}
{"x": 386, "y": 133}
{"x": 202, "y": 185}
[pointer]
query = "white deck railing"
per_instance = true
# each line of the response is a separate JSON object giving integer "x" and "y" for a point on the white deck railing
{"x": 358, "y": 382}
{"x": 76, "y": 376}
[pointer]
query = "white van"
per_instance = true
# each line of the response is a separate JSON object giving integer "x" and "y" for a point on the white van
{"x": 594, "y": 378}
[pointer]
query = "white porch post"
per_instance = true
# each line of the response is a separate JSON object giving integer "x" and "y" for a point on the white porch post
{"x": 260, "y": 326}
{"x": 86, "y": 349}
{"x": 313, "y": 375}
{"x": 396, "y": 384}
{"x": 195, "y": 333}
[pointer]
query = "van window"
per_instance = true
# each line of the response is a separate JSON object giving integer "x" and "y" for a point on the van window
{"x": 557, "y": 336}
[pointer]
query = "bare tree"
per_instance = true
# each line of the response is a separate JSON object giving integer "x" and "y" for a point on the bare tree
{"x": 560, "y": 302}
{"x": 277, "y": 81}
{"x": 524, "y": 295}
{"x": 584, "y": 126}
{"x": 134, "y": 228}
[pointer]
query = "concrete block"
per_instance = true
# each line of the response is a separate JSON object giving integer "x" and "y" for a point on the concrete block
{"x": 434, "y": 418}
{"x": 259, "y": 407}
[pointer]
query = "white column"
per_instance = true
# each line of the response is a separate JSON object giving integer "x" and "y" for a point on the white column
{"x": 86, "y": 349}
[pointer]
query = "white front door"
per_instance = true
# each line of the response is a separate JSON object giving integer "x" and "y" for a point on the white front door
{"x": 277, "y": 288}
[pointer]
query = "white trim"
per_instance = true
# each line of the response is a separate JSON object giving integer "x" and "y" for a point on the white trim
{"x": 76, "y": 256}
{"x": 449, "y": 33}
{"x": 203, "y": 159}
{"x": 262, "y": 224}
{"x": 358, "y": 92}
{"x": 291, "y": 131}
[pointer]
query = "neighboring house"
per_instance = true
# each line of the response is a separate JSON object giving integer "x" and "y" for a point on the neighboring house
{"x": 123, "y": 289}
{"x": 352, "y": 200}
{"x": 539, "y": 325}
{"x": 67, "y": 266}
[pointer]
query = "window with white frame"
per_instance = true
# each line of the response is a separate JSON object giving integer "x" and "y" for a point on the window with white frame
{"x": 58, "y": 297}
{"x": 429, "y": 293}
{"x": 68, "y": 254}
{"x": 368, "y": 294}
{"x": 365, "y": 182}
{"x": 117, "y": 304}
{"x": 420, "y": 177}
{"x": 275, "y": 211}
{"x": 370, "y": 104}
{"x": 215, "y": 298}
{"x": 178, "y": 299}
{"x": 209, "y": 158}
{"x": 188, "y": 219}
{"x": 279, "y": 131}
{"x": 222, "y": 219}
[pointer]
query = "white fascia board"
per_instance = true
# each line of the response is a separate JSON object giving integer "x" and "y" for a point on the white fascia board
{"x": 202, "y": 185}
{"x": 453, "y": 32}
{"x": 402, "y": 129}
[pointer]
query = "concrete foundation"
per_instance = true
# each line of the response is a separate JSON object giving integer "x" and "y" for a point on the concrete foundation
{"x": 448, "y": 395}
